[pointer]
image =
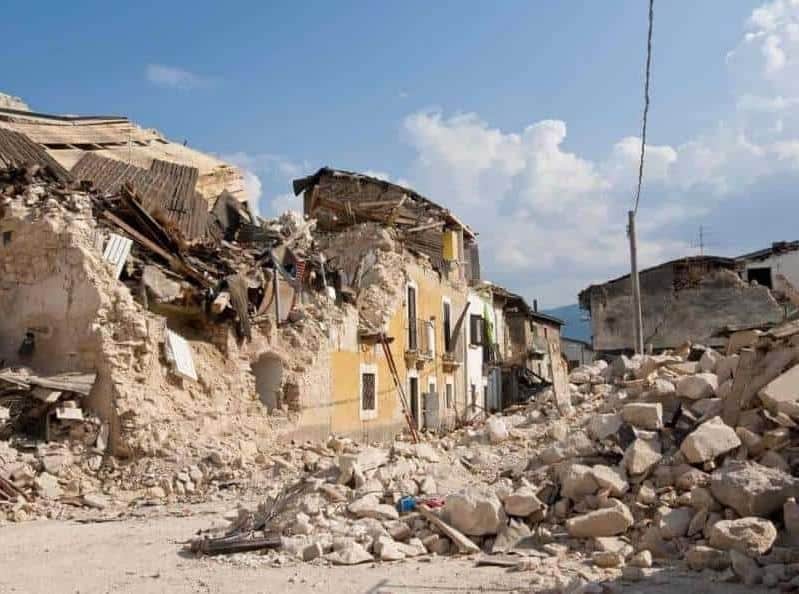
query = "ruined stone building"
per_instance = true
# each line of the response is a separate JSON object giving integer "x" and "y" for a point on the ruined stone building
{"x": 777, "y": 268}
{"x": 135, "y": 261}
{"x": 694, "y": 299}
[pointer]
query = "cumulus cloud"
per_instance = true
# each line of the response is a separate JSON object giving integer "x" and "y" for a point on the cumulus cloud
{"x": 173, "y": 77}
{"x": 548, "y": 214}
{"x": 268, "y": 169}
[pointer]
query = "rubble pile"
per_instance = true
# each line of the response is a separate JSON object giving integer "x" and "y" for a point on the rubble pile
{"x": 683, "y": 457}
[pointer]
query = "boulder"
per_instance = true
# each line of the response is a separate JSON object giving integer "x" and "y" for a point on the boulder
{"x": 608, "y": 521}
{"x": 752, "y": 489}
{"x": 662, "y": 388}
{"x": 602, "y": 426}
{"x": 641, "y": 559}
{"x": 701, "y": 385}
{"x": 750, "y": 536}
{"x": 701, "y": 557}
{"x": 644, "y": 415}
{"x": 607, "y": 559}
{"x": 711, "y": 439}
{"x": 475, "y": 511}
{"x": 640, "y": 457}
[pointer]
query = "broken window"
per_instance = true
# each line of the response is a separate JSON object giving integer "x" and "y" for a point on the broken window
{"x": 762, "y": 276}
{"x": 447, "y": 317}
{"x": 476, "y": 329}
{"x": 368, "y": 389}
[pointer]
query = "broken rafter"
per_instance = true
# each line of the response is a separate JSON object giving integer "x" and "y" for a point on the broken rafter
{"x": 425, "y": 227}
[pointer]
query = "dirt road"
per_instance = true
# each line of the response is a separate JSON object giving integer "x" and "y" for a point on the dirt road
{"x": 144, "y": 556}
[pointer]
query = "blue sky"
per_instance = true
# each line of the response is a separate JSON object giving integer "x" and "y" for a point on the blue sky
{"x": 521, "y": 116}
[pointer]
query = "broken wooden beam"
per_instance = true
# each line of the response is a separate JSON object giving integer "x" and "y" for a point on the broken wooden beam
{"x": 464, "y": 544}
{"x": 227, "y": 545}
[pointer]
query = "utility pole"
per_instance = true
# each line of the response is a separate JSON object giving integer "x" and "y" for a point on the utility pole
{"x": 701, "y": 240}
{"x": 638, "y": 330}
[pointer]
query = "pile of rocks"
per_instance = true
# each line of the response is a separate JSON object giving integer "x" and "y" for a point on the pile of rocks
{"x": 680, "y": 457}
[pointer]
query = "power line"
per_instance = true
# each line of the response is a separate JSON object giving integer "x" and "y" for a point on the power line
{"x": 646, "y": 104}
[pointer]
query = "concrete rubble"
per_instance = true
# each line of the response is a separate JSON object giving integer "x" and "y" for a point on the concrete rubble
{"x": 639, "y": 475}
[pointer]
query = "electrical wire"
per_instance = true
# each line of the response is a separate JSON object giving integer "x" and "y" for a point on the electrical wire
{"x": 646, "y": 105}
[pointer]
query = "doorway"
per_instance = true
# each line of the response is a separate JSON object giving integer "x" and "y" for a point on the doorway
{"x": 268, "y": 371}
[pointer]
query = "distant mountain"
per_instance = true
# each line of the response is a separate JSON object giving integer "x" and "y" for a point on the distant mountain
{"x": 576, "y": 326}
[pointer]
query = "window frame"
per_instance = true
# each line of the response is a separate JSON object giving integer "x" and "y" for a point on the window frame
{"x": 368, "y": 414}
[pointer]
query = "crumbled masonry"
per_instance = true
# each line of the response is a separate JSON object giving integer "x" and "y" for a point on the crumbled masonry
{"x": 639, "y": 475}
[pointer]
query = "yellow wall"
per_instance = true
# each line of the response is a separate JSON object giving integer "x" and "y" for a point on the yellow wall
{"x": 346, "y": 365}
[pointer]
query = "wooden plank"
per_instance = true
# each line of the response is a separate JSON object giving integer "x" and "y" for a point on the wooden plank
{"x": 425, "y": 227}
{"x": 785, "y": 330}
{"x": 463, "y": 543}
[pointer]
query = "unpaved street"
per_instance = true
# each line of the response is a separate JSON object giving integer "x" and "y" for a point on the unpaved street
{"x": 144, "y": 556}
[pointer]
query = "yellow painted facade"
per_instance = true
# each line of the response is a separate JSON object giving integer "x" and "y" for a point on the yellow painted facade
{"x": 347, "y": 417}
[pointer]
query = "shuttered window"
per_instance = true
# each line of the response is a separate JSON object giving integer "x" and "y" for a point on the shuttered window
{"x": 368, "y": 396}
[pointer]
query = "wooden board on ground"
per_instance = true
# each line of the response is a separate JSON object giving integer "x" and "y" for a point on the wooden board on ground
{"x": 461, "y": 541}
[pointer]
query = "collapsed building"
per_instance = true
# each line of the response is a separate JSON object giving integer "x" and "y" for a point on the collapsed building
{"x": 690, "y": 299}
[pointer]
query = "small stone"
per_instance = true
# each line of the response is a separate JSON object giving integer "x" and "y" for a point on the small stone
{"x": 95, "y": 500}
{"x": 612, "y": 479}
{"x": 673, "y": 523}
{"x": 602, "y": 426}
{"x": 750, "y": 536}
{"x": 351, "y": 554}
{"x": 369, "y": 506}
{"x": 577, "y": 481}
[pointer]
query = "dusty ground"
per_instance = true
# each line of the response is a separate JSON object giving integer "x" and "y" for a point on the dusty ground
{"x": 143, "y": 555}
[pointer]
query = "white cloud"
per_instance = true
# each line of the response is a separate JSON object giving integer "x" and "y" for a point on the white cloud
{"x": 174, "y": 78}
{"x": 266, "y": 169}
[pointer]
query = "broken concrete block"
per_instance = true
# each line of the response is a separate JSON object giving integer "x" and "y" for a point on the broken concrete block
{"x": 750, "y": 536}
{"x": 607, "y": 559}
{"x": 710, "y": 440}
{"x": 673, "y": 523}
{"x": 608, "y": 521}
{"x": 640, "y": 457}
{"x": 352, "y": 554}
{"x": 577, "y": 481}
{"x": 386, "y": 549}
{"x": 48, "y": 486}
{"x": 522, "y": 502}
{"x": 701, "y": 557}
{"x": 609, "y": 478}
{"x": 580, "y": 376}
{"x": 782, "y": 393}
{"x": 369, "y": 506}
{"x": 662, "y": 388}
{"x": 752, "y": 489}
{"x": 701, "y": 385}
{"x": 603, "y": 426}
{"x": 475, "y": 512}
{"x": 644, "y": 415}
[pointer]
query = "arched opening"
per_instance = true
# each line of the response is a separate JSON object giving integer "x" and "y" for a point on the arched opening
{"x": 268, "y": 371}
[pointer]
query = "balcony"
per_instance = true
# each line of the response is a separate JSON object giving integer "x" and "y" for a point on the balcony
{"x": 421, "y": 334}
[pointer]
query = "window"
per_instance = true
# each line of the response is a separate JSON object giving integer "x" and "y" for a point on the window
{"x": 368, "y": 392}
{"x": 760, "y": 275}
{"x": 476, "y": 328}
{"x": 447, "y": 317}
{"x": 448, "y": 394}
{"x": 413, "y": 384}
{"x": 412, "y": 339}
{"x": 7, "y": 237}
{"x": 473, "y": 390}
